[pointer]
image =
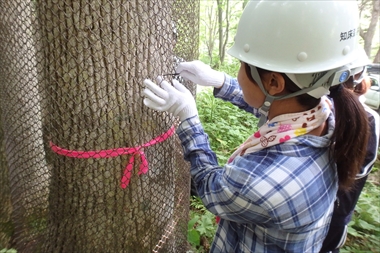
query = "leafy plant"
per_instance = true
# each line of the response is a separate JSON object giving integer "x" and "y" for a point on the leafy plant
{"x": 227, "y": 125}
{"x": 201, "y": 227}
{"x": 364, "y": 228}
{"x": 8, "y": 251}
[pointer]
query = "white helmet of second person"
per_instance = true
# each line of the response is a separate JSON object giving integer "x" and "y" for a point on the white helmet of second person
{"x": 298, "y": 37}
{"x": 358, "y": 65}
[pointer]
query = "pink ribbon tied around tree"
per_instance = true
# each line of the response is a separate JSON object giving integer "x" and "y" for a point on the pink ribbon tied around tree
{"x": 118, "y": 152}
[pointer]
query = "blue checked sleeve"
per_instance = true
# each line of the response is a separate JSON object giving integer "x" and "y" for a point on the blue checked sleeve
{"x": 216, "y": 189}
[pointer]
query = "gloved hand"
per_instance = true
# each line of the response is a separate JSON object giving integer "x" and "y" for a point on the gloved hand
{"x": 200, "y": 73}
{"x": 175, "y": 99}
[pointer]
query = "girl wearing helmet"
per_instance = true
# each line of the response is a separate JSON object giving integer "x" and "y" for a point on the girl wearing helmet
{"x": 358, "y": 83}
{"x": 277, "y": 192}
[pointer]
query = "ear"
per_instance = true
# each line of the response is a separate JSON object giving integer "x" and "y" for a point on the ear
{"x": 275, "y": 83}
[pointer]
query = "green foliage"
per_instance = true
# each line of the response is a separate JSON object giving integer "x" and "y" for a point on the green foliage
{"x": 232, "y": 68}
{"x": 196, "y": 204}
{"x": 376, "y": 166}
{"x": 364, "y": 228}
{"x": 209, "y": 25}
{"x": 8, "y": 251}
{"x": 227, "y": 125}
{"x": 201, "y": 227}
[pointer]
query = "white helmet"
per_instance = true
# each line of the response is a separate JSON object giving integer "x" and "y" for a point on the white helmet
{"x": 359, "y": 67}
{"x": 310, "y": 41}
{"x": 360, "y": 63}
{"x": 297, "y": 36}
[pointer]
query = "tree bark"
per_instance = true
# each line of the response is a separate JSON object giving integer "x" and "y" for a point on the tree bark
{"x": 211, "y": 26}
{"x": 97, "y": 55}
{"x": 21, "y": 122}
{"x": 226, "y": 33}
{"x": 6, "y": 225}
{"x": 220, "y": 30}
{"x": 369, "y": 33}
{"x": 377, "y": 57}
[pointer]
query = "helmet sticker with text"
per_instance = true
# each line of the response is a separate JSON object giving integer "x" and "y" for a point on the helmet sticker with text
{"x": 347, "y": 35}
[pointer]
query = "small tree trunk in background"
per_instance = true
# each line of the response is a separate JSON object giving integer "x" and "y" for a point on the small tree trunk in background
{"x": 211, "y": 29}
{"x": 21, "y": 122}
{"x": 220, "y": 31}
{"x": 223, "y": 6}
{"x": 369, "y": 33}
{"x": 377, "y": 57}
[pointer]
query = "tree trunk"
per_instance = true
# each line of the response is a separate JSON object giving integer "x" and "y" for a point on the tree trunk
{"x": 223, "y": 28}
{"x": 220, "y": 30}
{"x": 97, "y": 55}
{"x": 6, "y": 226}
{"x": 369, "y": 33}
{"x": 377, "y": 57}
{"x": 21, "y": 122}
{"x": 210, "y": 25}
{"x": 226, "y": 33}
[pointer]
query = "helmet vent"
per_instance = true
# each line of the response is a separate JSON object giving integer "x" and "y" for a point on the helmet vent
{"x": 246, "y": 48}
{"x": 302, "y": 56}
{"x": 346, "y": 50}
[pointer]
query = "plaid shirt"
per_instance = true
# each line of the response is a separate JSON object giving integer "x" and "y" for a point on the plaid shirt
{"x": 278, "y": 199}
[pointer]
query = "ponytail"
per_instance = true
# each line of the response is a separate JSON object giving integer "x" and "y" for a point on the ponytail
{"x": 350, "y": 135}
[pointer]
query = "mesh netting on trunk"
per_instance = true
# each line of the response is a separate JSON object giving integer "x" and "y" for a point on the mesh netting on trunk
{"x": 84, "y": 165}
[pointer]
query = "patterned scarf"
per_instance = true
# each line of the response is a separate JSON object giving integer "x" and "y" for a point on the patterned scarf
{"x": 284, "y": 127}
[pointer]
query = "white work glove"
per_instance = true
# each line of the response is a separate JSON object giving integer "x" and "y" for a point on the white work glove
{"x": 200, "y": 73}
{"x": 175, "y": 99}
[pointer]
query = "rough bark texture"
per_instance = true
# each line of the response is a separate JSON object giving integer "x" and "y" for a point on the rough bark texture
{"x": 98, "y": 53}
{"x": 21, "y": 122}
{"x": 71, "y": 76}
{"x": 6, "y": 228}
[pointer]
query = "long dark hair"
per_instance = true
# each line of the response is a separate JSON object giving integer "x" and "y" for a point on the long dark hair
{"x": 361, "y": 88}
{"x": 350, "y": 137}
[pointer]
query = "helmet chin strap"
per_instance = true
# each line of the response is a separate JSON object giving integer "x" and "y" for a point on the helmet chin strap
{"x": 324, "y": 81}
{"x": 264, "y": 109}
